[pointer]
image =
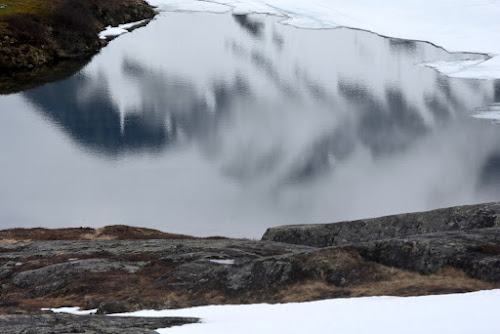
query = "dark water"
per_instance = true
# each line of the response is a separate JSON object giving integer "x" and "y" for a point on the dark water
{"x": 217, "y": 124}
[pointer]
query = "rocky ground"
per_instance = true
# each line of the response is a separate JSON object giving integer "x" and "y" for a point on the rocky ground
{"x": 43, "y": 40}
{"x": 120, "y": 268}
{"x": 67, "y": 323}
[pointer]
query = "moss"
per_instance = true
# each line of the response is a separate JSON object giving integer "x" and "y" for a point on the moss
{"x": 38, "y": 7}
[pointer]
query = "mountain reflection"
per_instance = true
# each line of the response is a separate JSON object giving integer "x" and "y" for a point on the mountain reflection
{"x": 94, "y": 121}
{"x": 266, "y": 108}
{"x": 254, "y": 28}
{"x": 497, "y": 90}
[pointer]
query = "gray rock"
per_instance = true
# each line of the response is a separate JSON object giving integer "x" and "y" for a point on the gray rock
{"x": 185, "y": 266}
{"x": 476, "y": 252}
{"x": 460, "y": 218}
{"x": 175, "y": 250}
{"x": 258, "y": 274}
{"x": 7, "y": 269}
{"x": 466, "y": 237}
{"x": 69, "y": 269}
{"x": 43, "y": 290}
{"x": 67, "y": 323}
{"x": 113, "y": 306}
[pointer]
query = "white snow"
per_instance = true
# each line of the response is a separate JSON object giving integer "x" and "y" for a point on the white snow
{"x": 456, "y": 25}
{"x": 492, "y": 115}
{"x": 110, "y": 31}
{"x": 226, "y": 262}
{"x": 491, "y": 112}
{"x": 476, "y": 312}
{"x": 453, "y": 67}
{"x": 71, "y": 310}
{"x": 189, "y": 6}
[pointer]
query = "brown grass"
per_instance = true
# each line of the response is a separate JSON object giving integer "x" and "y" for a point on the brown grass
{"x": 490, "y": 249}
{"x": 115, "y": 232}
{"x": 401, "y": 283}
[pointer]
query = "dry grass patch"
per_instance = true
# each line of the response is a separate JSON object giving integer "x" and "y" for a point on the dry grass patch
{"x": 115, "y": 232}
{"x": 400, "y": 283}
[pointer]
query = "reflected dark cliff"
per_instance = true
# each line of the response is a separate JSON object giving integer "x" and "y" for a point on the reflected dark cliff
{"x": 94, "y": 121}
{"x": 253, "y": 27}
{"x": 490, "y": 174}
{"x": 83, "y": 108}
{"x": 497, "y": 90}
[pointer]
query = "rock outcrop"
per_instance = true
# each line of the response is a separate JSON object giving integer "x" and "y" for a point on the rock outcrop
{"x": 476, "y": 252}
{"x": 443, "y": 251}
{"x": 67, "y": 323}
{"x": 466, "y": 238}
{"x": 459, "y": 218}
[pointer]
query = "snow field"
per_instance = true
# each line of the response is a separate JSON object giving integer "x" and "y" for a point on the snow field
{"x": 476, "y": 312}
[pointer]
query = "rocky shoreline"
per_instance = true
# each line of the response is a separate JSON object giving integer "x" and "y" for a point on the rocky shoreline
{"x": 68, "y": 323}
{"x": 41, "y": 40}
{"x": 121, "y": 268}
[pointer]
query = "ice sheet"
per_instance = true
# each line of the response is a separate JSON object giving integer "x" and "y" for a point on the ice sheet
{"x": 452, "y": 67}
{"x": 456, "y": 25}
{"x": 189, "y": 6}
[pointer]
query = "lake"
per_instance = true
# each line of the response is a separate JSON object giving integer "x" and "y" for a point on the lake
{"x": 215, "y": 124}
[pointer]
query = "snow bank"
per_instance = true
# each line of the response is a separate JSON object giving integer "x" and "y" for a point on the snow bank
{"x": 475, "y": 312}
{"x": 456, "y": 25}
{"x": 459, "y": 314}
{"x": 71, "y": 310}
{"x": 110, "y": 31}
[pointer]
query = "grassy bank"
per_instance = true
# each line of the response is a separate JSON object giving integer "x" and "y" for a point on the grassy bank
{"x": 40, "y": 33}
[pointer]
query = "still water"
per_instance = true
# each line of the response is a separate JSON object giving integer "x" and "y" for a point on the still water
{"x": 214, "y": 124}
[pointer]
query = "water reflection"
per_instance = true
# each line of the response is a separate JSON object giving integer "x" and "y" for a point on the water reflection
{"x": 253, "y": 27}
{"x": 83, "y": 109}
{"x": 497, "y": 90}
{"x": 303, "y": 125}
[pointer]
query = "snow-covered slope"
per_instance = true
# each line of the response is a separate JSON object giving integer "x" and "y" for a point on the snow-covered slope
{"x": 456, "y": 25}
{"x": 468, "y": 313}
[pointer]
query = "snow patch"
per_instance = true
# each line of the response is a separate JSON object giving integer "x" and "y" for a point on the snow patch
{"x": 452, "y": 67}
{"x": 475, "y": 312}
{"x": 226, "y": 262}
{"x": 110, "y": 31}
{"x": 70, "y": 310}
{"x": 467, "y": 313}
